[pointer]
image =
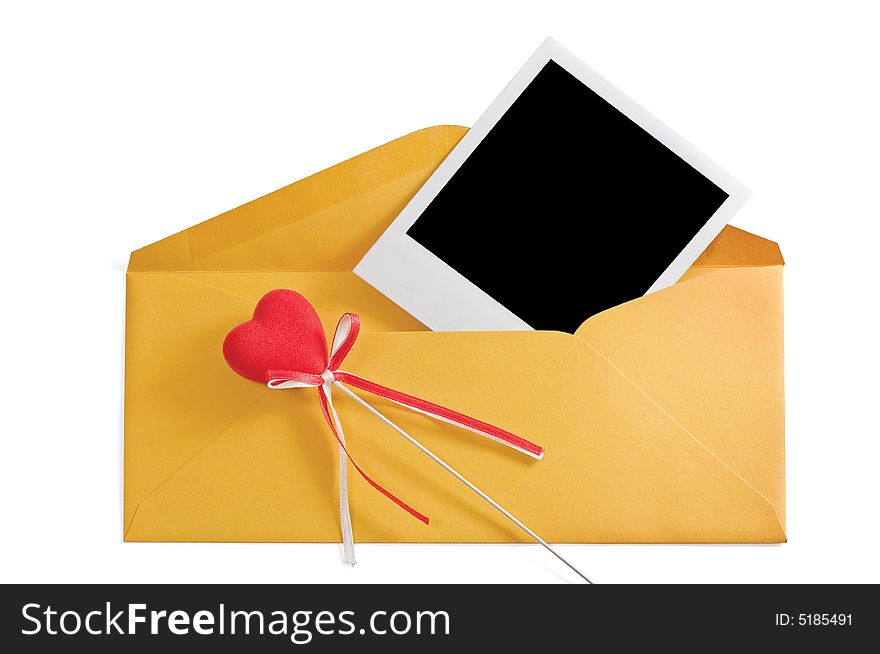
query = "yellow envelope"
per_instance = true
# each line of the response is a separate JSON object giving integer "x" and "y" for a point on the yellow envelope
{"x": 662, "y": 418}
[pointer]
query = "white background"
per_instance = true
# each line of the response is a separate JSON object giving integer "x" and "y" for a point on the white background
{"x": 121, "y": 123}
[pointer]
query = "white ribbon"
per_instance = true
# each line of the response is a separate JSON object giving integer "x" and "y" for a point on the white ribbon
{"x": 327, "y": 377}
{"x": 344, "y": 513}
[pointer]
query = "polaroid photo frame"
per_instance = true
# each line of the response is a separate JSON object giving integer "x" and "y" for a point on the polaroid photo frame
{"x": 446, "y": 299}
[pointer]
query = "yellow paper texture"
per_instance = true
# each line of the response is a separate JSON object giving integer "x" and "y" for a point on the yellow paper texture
{"x": 662, "y": 418}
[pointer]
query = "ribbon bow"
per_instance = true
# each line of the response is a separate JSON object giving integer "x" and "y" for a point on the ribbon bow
{"x": 286, "y": 330}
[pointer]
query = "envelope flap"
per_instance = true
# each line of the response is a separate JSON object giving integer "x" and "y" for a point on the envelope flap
{"x": 735, "y": 247}
{"x": 709, "y": 352}
{"x": 324, "y": 222}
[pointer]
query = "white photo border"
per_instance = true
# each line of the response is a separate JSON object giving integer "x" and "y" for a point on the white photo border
{"x": 442, "y": 298}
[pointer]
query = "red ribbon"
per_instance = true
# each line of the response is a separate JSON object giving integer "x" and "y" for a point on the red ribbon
{"x": 343, "y": 340}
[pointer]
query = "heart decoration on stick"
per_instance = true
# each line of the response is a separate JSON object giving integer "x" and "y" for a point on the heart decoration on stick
{"x": 284, "y": 334}
{"x": 284, "y": 346}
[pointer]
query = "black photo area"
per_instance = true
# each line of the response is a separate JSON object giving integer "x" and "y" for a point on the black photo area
{"x": 566, "y": 207}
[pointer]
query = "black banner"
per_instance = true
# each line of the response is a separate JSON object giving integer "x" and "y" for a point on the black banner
{"x": 231, "y": 618}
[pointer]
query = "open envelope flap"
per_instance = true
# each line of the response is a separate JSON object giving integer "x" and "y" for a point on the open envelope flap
{"x": 737, "y": 248}
{"x": 709, "y": 352}
{"x": 326, "y": 221}
{"x": 617, "y": 468}
{"x": 329, "y": 220}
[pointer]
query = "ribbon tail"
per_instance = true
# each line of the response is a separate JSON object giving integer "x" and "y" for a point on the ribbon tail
{"x": 332, "y": 421}
{"x": 344, "y": 513}
{"x": 444, "y": 415}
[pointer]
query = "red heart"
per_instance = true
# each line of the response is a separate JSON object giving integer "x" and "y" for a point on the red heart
{"x": 285, "y": 334}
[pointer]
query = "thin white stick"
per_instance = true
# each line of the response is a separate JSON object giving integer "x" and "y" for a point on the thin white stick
{"x": 458, "y": 476}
